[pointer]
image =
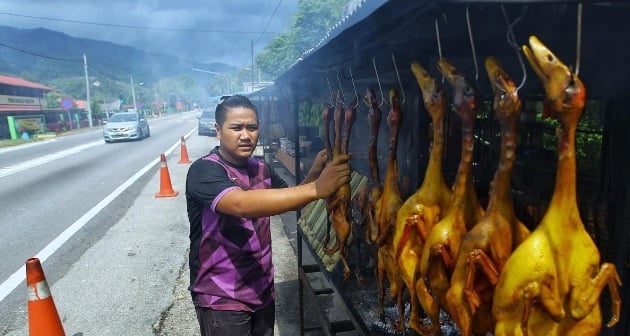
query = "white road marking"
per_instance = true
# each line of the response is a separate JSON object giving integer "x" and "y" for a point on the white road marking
{"x": 6, "y": 171}
{"x": 16, "y": 278}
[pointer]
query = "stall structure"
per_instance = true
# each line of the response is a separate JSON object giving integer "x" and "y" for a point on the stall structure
{"x": 374, "y": 47}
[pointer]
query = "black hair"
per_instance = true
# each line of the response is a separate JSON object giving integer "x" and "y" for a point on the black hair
{"x": 230, "y": 103}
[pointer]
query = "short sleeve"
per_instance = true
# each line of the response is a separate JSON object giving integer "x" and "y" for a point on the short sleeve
{"x": 205, "y": 181}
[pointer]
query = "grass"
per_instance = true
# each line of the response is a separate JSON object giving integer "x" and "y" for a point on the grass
{"x": 42, "y": 137}
{"x": 10, "y": 143}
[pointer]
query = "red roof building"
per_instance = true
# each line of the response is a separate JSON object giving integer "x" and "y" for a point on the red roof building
{"x": 18, "y": 95}
{"x": 20, "y": 82}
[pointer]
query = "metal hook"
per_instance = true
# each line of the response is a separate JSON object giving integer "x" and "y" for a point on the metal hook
{"x": 437, "y": 36}
{"x": 472, "y": 44}
{"x": 356, "y": 95}
{"x": 380, "y": 88}
{"x": 402, "y": 90}
{"x": 331, "y": 102}
{"x": 340, "y": 88}
{"x": 511, "y": 39}
{"x": 579, "y": 39}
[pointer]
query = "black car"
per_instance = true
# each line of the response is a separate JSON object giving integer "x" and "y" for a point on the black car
{"x": 206, "y": 125}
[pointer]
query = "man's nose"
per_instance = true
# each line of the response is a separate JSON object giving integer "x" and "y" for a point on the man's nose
{"x": 246, "y": 135}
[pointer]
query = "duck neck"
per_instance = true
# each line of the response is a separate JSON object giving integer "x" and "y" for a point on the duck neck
{"x": 500, "y": 191}
{"x": 433, "y": 177}
{"x": 463, "y": 180}
{"x": 375, "y": 122}
{"x": 564, "y": 195}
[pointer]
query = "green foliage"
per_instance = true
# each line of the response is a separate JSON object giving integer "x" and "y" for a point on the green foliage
{"x": 312, "y": 21}
{"x": 53, "y": 98}
{"x": 310, "y": 114}
{"x": 588, "y": 136}
{"x": 97, "y": 113}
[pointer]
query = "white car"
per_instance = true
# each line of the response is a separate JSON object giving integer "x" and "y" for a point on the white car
{"x": 259, "y": 152}
{"x": 126, "y": 126}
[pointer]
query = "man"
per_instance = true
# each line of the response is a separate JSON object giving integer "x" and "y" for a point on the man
{"x": 230, "y": 196}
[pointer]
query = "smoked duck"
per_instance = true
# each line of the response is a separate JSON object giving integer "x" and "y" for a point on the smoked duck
{"x": 385, "y": 217}
{"x": 552, "y": 282}
{"x": 374, "y": 181}
{"x": 338, "y": 205}
{"x": 487, "y": 246}
{"x": 422, "y": 210}
{"x": 440, "y": 250}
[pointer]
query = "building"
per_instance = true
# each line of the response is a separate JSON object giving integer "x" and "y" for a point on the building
{"x": 23, "y": 106}
{"x": 25, "y": 109}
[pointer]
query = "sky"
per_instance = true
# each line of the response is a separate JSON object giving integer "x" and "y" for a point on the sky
{"x": 202, "y": 31}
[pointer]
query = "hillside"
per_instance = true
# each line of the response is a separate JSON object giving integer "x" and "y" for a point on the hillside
{"x": 56, "y": 59}
{"x": 49, "y": 54}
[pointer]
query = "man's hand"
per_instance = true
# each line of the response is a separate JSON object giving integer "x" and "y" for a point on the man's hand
{"x": 318, "y": 163}
{"x": 334, "y": 175}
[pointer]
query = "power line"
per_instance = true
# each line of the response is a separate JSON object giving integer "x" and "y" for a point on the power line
{"x": 103, "y": 73}
{"x": 22, "y": 66}
{"x": 270, "y": 18}
{"x": 39, "y": 55}
{"x": 138, "y": 27}
{"x": 265, "y": 11}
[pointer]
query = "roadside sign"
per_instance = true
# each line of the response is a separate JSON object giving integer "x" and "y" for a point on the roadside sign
{"x": 66, "y": 103}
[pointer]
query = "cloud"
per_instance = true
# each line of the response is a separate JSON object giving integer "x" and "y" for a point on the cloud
{"x": 202, "y": 31}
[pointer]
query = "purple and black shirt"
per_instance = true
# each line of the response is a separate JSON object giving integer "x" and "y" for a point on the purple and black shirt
{"x": 230, "y": 257}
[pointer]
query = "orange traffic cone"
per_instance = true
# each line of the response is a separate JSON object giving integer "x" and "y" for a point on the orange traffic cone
{"x": 183, "y": 157}
{"x": 43, "y": 319}
{"x": 166, "y": 188}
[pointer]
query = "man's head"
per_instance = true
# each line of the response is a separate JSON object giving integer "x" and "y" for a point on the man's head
{"x": 237, "y": 128}
{"x": 229, "y": 102}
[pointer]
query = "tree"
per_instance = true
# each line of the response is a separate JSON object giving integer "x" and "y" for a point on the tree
{"x": 312, "y": 21}
{"x": 53, "y": 99}
{"x": 97, "y": 113}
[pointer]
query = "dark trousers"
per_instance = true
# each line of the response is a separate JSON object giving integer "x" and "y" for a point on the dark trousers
{"x": 236, "y": 323}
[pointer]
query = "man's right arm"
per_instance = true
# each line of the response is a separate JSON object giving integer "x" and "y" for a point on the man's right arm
{"x": 269, "y": 202}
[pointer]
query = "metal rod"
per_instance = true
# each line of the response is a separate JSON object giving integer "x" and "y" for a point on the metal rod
{"x": 579, "y": 39}
{"x": 355, "y": 88}
{"x": 402, "y": 89}
{"x": 511, "y": 39}
{"x": 472, "y": 44}
{"x": 378, "y": 80}
{"x": 437, "y": 35}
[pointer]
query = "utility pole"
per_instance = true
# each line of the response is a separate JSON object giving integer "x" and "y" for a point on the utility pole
{"x": 252, "y": 65}
{"x": 133, "y": 93}
{"x": 87, "y": 87}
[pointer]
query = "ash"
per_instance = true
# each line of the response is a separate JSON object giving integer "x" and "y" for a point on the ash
{"x": 448, "y": 326}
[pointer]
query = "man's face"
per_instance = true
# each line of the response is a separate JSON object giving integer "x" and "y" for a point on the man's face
{"x": 239, "y": 135}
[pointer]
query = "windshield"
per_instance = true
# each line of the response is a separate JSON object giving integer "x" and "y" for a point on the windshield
{"x": 207, "y": 115}
{"x": 123, "y": 117}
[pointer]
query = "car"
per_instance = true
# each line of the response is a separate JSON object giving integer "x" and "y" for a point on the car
{"x": 206, "y": 124}
{"x": 126, "y": 126}
{"x": 259, "y": 152}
